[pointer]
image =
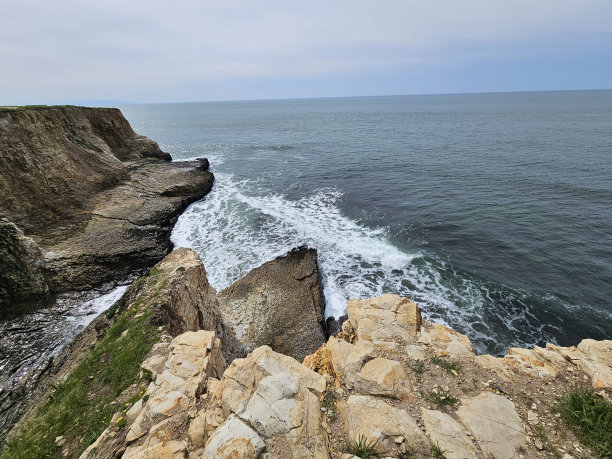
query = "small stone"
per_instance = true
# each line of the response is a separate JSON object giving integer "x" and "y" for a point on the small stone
{"x": 532, "y": 417}
{"x": 59, "y": 441}
{"x": 398, "y": 440}
{"x": 539, "y": 444}
{"x": 534, "y": 407}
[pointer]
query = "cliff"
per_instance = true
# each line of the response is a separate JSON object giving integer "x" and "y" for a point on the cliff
{"x": 391, "y": 384}
{"x": 84, "y": 200}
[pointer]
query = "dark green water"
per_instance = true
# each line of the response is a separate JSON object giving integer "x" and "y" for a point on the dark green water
{"x": 493, "y": 211}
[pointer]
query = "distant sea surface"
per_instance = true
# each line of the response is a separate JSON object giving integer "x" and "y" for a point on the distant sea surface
{"x": 492, "y": 211}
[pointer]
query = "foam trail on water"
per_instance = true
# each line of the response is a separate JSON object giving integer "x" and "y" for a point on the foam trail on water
{"x": 238, "y": 227}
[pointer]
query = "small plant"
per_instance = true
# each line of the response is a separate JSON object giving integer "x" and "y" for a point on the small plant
{"x": 180, "y": 269}
{"x": 328, "y": 406}
{"x": 436, "y": 452}
{"x": 418, "y": 368}
{"x": 409, "y": 454}
{"x": 448, "y": 365}
{"x": 441, "y": 398}
{"x": 362, "y": 448}
{"x": 589, "y": 416}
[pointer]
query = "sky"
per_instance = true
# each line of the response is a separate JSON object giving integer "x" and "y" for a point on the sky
{"x": 74, "y": 51}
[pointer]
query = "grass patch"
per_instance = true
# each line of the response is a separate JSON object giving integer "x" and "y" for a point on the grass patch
{"x": 328, "y": 405}
{"x": 441, "y": 398}
{"x": 362, "y": 448}
{"x": 80, "y": 407}
{"x": 589, "y": 416}
{"x": 436, "y": 452}
{"x": 448, "y": 365}
{"x": 406, "y": 455}
{"x": 418, "y": 368}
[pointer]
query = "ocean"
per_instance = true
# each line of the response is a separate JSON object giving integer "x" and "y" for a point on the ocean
{"x": 492, "y": 211}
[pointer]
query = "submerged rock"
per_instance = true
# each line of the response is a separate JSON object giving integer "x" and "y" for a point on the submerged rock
{"x": 90, "y": 200}
{"x": 279, "y": 304}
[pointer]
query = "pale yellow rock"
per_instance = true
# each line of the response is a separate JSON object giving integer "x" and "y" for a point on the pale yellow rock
{"x": 134, "y": 411}
{"x": 448, "y": 434}
{"x": 598, "y": 351}
{"x": 495, "y": 424}
{"x": 389, "y": 321}
{"x": 168, "y": 450}
{"x": 380, "y": 422}
{"x": 233, "y": 439}
{"x": 415, "y": 352}
{"x": 446, "y": 342}
{"x": 349, "y": 358}
{"x": 278, "y": 397}
{"x": 384, "y": 377}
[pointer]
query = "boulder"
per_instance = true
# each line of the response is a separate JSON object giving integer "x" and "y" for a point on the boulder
{"x": 495, "y": 424}
{"x": 388, "y": 321}
{"x": 279, "y": 304}
{"x": 275, "y": 395}
{"x": 450, "y": 436}
{"x": 446, "y": 342}
{"x": 233, "y": 439}
{"x": 377, "y": 421}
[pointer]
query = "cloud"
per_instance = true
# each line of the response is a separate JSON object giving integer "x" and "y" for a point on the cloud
{"x": 139, "y": 49}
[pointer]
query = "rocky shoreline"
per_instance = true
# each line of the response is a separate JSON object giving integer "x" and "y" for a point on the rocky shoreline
{"x": 390, "y": 379}
{"x": 174, "y": 369}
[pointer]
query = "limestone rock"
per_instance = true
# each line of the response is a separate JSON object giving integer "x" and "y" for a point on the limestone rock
{"x": 446, "y": 342}
{"x": 495, "y": 424}
{"x": 279, "y": 304}
{"x": 277, "y": 396}
{"x": 234, "y": 439}
{"x": 168, "y": 450}
{"x": 384, "y": 377}
{"x": 380, "y": 422}
{"x": 448, "y": 434}
{"x": 388, "y": 320}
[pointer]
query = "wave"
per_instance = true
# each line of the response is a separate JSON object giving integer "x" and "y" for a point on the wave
{"x": 239, "y": 226}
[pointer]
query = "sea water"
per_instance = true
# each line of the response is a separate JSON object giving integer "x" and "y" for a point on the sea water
{"x": 492, "y": 211}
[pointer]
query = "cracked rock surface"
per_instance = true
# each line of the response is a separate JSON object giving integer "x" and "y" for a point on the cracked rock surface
{"x": 84, "y": 200}
{"x": 279, "y": 304}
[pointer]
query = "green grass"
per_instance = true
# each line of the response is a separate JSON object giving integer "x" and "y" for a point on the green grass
{"x": 589, "y": 416}
{"x": 441, "y": 398}
{"x": 328, "y": 404}
{"x": 436, "y": 452}
{"x": 362, "y": 448}
{"x": 406, "y": 455}
{"x": 418, "y": 368}
{"x": 448, "y": 365}
{"x": 80, "y": 407}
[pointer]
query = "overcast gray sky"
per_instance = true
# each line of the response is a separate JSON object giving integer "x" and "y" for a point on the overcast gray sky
{"x": 183, "y": 50}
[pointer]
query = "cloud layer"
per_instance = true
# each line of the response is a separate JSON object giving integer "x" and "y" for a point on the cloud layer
{"x": 202, "y": 50}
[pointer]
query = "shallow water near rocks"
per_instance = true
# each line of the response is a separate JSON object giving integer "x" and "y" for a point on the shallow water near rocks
{"x": 492, "y": 211}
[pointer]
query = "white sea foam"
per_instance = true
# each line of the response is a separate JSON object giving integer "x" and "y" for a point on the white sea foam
{"x": 239, "y": 226}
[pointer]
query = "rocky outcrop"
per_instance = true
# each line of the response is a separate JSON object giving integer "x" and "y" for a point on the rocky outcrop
{"x": 83, "y": 199}
{"x": 279, "y": 304}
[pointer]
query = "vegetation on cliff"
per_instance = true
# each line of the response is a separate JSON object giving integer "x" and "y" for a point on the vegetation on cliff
{"x": 81, "y": 407}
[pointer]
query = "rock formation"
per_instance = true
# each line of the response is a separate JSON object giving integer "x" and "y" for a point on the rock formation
{"x": 279, "y": 304}
{"x": 83, "y": 199}
{"x": 392, "y": 380}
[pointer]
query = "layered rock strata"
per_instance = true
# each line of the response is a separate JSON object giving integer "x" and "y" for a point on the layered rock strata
{"x": 84, "y": 200}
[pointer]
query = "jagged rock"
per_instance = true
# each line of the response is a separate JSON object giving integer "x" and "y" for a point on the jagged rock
{"x": 168, "y": 450}
{"x": 448, "y": 435}
{"x": 95, "y": 201}
{"x": 192, "y": 358}
{"x": 348, "y": 359}
{"x": 446, "y": 342}
{"x": 277, "y": 396}
{"x": 495, "y": 424}
{"x": 384, "y": 377}
{"x": 380, "y": 422}
{"x": 234, "y": 439}
{"x": 279, "y": 304}
{"x": 387, "y": 320}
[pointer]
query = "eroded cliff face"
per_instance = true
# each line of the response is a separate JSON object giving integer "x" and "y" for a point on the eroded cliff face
{"x": 84, "y": 199}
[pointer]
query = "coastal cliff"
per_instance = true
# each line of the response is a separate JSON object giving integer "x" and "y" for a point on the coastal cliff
{"x": 84, "y": 199}
{"x": 391, "y": 383}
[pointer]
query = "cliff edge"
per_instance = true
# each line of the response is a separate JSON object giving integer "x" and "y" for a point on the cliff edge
{"x": 84, "y": 200}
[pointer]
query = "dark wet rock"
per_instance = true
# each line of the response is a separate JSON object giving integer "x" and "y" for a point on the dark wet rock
{"x": 279, "y": 304}
{"x": 333, "y": 325}
{"x": 85, "y": 200}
